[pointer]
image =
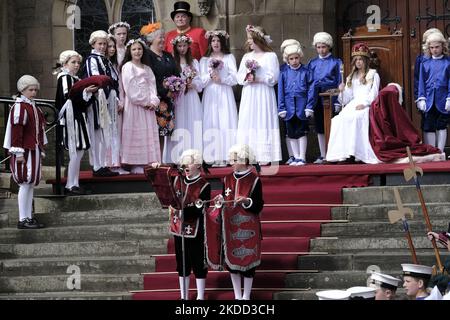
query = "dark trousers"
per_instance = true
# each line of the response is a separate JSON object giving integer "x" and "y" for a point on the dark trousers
{"x": 194, "y": 254}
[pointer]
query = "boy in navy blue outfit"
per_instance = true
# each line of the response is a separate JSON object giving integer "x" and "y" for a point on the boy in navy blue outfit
{"x": 434, "y": 91}
{"x": 292, "y": 98}
{"x": 324, "y": 74}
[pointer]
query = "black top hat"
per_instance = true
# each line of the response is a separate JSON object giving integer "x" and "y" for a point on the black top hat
{"x": 181, "y": 7}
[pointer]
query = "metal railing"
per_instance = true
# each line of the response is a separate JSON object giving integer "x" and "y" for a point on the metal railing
{"x": 51, "y": 119}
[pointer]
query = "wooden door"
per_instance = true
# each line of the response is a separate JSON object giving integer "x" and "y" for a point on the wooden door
{"x": 411, "y": 17}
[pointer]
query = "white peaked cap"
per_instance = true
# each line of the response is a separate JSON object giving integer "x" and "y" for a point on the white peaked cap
{"x": 25, "y": 81}
{"x": 446, "y": 297}
{"x": 384, "y": 280}
{"x": 288, "y": 42}
{"x": 435, "y": 294}
{"x": 417, "y": 270}
{"x": 191, "y": 156}
{"x": 333, "y": 295}
{"x": 363, "y": 292}
{"x": 323, "y": 37}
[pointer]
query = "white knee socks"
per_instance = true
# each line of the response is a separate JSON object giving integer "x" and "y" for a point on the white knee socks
{"x": 429, "y": 138}
{"x": 441, "y": 139}
{"x": 295, "y": 148}
{"x": 289, "y": 147}
{"x": 322, "y": 145}
{"x": 200, "y": 288}
{"x": 73, "y": 171}
{"x": 302, "y": 143}
{"x": 184, "y": 289}
{"x": 237, "y": 288}
{"x": 25, "y": 199}
{"x": 248, "y": 282}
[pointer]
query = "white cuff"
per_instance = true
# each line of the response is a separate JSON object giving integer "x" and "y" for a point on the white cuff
{"x": 422, "y": 98}
{"x": 18, "y": 152}
{"x": 87, "y": 95}
{"x": 251, "y": 203}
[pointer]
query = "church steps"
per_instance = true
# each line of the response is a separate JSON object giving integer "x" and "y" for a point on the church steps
{"x": 385, "y": 260}
{"x": 58, "y": 283}
{"x": 385, "y": 195}
{"x": 94, "y": 248}
{"x": 379, "y": 229}
{"x": 88, "y": 265}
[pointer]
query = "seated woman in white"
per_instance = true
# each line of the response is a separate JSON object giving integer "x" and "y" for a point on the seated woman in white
{"x": 349, "y": 135}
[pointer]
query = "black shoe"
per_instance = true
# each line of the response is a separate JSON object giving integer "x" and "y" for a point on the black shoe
{"x": 74, "y": 191}
{"x": 104, "y": 172}
{"x": 30, "y": 224}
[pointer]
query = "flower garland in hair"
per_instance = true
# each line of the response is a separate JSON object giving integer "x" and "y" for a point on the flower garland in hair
{"x": 217, "y": 33}
{"x": 181, "y": 38}
{"x": 116, "y": 25}
{"x": 132, "y": 41}
{"x": 266, "y": 37}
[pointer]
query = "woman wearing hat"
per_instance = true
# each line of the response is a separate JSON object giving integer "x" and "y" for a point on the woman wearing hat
{"x": 349, "y": 135}
{"x": 182, "y": 17}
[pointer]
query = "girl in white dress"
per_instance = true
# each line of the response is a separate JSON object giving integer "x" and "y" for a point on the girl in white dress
{"x": 258, "y": 124}
{"x": 218, "y": 74}
{"x": 140, "y": 139}
{"x": 188, "y": 107}
{"x": 349, "y": 135}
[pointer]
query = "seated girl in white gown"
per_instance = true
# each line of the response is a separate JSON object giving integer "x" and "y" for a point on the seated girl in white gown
{"x": 349, "y": 135}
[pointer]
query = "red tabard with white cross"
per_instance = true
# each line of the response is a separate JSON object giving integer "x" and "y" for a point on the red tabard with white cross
{"x": 242, "y": 228}
{"x": 191, "y": 192}
{"x": 213, "y": 237}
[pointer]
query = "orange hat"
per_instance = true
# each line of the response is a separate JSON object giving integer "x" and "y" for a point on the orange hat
{"x": 361, "y": 49}
{"x": 150, "y": 28}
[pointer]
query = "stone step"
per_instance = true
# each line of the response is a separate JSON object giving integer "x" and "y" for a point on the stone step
{"x": 369, "y": 243}
{"x": 99, "y": 217}
{"x": 73, "y": 295}
{"x": 87, "y": 265}
{"x": 115, "y": 232}
{"x": 385, "y": 195}
{"x": 330, "y": 280}
{"x": 362, "y": 261}
{"x": 4, "y": 220}
{"x": 5, "y": 180}
{"x": 439, "y": 211}
{"x": 76, "y": 249}
{"x": 58, "y": 283}
{"x": 379, "y": 229}
{"x": 128, "y": 202}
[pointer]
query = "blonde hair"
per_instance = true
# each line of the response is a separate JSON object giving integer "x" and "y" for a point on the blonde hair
{"x": 435, "y": 37}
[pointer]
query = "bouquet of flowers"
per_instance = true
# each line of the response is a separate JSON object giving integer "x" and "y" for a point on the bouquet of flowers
{"x": 189, "y": 74}
{"x": 215, "y": 65}
{"x": 252, "y": 66}
{"x": 175, "y": 84}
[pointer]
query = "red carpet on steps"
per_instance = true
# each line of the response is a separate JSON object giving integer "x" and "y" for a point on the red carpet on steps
{"x": 282, "y": 242}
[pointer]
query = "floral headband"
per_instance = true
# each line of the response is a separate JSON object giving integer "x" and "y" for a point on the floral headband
{"x": 150, "y": 28}
{"x": 181, "y": 38}
{"x": 217, "y": 33}
{"x": 133, "y": 41}
{"x": 118, "y": 25}
{"x": 253, "y": 29}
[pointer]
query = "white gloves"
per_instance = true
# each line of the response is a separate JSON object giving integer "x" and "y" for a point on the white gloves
{"x": 447, "y": 105}
{"x": 421, "y": 105}
{"x": 282, "y": 114}
{"x": 309, "y": 113}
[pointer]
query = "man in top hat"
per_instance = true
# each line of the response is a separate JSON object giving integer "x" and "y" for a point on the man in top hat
{"x": 385, "y": 286}
{"x": 361, "y": 293}
{"x": 182, "y": 17}
{"x": 415, "y": 280}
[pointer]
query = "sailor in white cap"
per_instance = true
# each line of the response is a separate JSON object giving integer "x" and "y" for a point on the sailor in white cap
{"x": 361, "y": 293}
{"x": 333, "y": 295}
{"x": 385, "y": 285}
{"x": 415, "y": 280}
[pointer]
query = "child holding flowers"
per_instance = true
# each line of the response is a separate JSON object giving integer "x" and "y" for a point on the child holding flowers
{"x": 218, "y": 73}
{"x": 258, "y": 117}
{"x": 188, "y": 107}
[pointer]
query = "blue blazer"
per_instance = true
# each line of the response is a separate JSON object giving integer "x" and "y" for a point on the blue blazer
{"x": 434, "y": 83}
{"x": 293, "y": 88}
{"x": 324, "y": 74}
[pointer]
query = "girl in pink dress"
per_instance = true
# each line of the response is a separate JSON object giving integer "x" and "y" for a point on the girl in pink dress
{"x": 140, "y": 139}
